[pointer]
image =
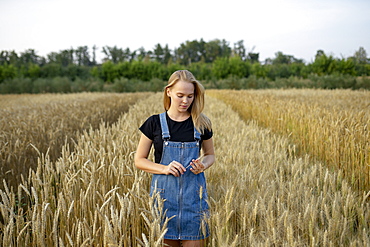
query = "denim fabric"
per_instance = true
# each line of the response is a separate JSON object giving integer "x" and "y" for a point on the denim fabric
{"x": 185, "y": 196}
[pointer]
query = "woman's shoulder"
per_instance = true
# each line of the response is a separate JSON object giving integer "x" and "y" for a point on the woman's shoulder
{"x": 153, "y": 118}
{"x": 151, "y": 126}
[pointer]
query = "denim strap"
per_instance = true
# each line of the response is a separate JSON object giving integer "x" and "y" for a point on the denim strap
{"x": 164, "y": 126}
{"x": 196, "y": 134}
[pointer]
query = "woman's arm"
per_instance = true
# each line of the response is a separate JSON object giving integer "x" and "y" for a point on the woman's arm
{"x": 143, "y": 163}
{"x": 209, "y": 153}
{"x": 199, "y": 165}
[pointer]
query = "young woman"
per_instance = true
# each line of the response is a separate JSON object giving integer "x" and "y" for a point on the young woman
{"x": 178, "y": 135}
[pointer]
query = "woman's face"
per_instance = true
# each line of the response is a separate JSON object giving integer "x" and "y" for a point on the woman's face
{"x": 182, "y": 96}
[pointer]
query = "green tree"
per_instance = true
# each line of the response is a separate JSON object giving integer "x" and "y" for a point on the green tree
{"x": 138, "y": 70}
{"x": 258, "y": 70}
{"x": 9, "y": 57}
{"x": 7, "y": 72}
{"x": 360, "y": 56}
{"x": 361, "y": 61}
{"x": 323, "y": 64}
{"x": 253, "y": 57}
{"x": 34, "y": 71}
{"x": 238, "y": 67}
{"x": 190, "y": 52}
{"x": 124, "y": 69}
{"x": 202, "y": 70}
{"x": 283, "y": 59}
{"x": 158, "y": 53}
{"x": 93, "y": 62}
{"x": 239, "y": 49}
{"x": 51, "y": 70}
{"x": 216, "y": 48}
{"x": 167, "y": 55}
{"x": 109, "y": 71}
{"x": 83, "y": 56}
{"x": 220, "y": 67}
{"x": 29, "y": 57}
{"x": 140, "y": 56}
{"x": 114, "y": 54}
{"x": 63, "y": 58}
{"x": 162, "y": 54}
{"x": 346, "y": 67}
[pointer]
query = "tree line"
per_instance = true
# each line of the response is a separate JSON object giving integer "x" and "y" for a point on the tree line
{"x": 209, "y": 61}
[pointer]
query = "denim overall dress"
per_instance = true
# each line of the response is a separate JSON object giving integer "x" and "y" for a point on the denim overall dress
{"x": 185, "y": 196}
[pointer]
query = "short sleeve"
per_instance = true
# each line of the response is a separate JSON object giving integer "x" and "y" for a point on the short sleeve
{"x": 147, "y": 128}
{"x": 207, "y": 134}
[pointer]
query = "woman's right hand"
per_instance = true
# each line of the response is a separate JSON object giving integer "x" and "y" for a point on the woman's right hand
{"x": 175, "y": 168}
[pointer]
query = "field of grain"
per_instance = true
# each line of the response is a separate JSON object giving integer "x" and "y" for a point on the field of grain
{"x": 33, "y": 124}
{"x": 330, "y": 125}
{"x": 263, "y": 192}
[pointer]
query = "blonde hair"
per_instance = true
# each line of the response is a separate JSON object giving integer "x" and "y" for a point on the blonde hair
{"x": 200, "y": 120}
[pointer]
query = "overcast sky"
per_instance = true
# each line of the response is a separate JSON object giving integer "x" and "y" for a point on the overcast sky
{"x": 294, "y": 27}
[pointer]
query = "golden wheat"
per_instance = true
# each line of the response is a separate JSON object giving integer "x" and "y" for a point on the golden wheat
{"x": 261, "y": 193}
{"x": 34, "y": 124}
{"x": 333, "y": 126}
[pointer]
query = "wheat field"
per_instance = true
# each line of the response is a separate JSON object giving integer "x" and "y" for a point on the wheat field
{"x": 33, "y": 124}
{"x": 262, "y": 191}
{"x": 330, "y": 125}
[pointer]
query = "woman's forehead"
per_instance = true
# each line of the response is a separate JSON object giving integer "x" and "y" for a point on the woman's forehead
{"x": 184, "y": 87}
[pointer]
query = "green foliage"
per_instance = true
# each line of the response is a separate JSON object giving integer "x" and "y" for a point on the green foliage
{"x": 201, "y": 69}
{"x": 16, "y": 86}
{"x": 333, "y": 81}
{"x": 258, "y": 70}
{"x": 7, "y": 72}
{"x": 55, "y": 85}
{"x": 87, "y": 85}
{"x": 135, "y": 85}
{"x": 346, "y": 67}
{"x": 109, "y": 72}
{"x": 231, "y": 66}
{"x": 323, "y": 64}
{"x": 51, "y": 70}
{"x": 363, "y": 83}
{"x": 34, "y": 71}
{"x": 239, "y": 68}
{"x": 220, "y": 67}
{"x": 214, "y": 62}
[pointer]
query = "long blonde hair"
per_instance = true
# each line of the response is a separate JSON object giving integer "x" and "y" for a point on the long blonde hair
{"x": 200, "y": 120}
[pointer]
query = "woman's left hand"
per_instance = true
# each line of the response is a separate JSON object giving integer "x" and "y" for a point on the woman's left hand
{"x": 197, "y": 166}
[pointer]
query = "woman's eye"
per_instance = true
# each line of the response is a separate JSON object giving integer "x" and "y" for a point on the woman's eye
{"x": 181, "y": 96}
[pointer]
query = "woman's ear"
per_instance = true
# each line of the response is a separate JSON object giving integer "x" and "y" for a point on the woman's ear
{"x": 168, "y": 92}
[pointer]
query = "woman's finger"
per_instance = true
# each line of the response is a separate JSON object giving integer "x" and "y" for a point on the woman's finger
{"x": 179, "y": 166}
{"x": 197, "y": 166}
{"x": 176, "y": 168}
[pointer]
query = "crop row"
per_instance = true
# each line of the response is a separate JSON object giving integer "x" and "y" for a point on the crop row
{"x": 34, "y": 124}
{"x": 332, "y": 126}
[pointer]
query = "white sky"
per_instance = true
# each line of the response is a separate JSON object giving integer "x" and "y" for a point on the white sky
{"x": 294, "y": 27}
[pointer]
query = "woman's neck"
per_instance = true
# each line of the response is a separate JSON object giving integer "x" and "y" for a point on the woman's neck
{"x": 178, "y": 116}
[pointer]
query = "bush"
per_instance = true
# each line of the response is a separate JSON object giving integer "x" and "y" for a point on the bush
{"x": 136, "y": 85}
{"x": 333, "y": 81}
{"x": 87, "y": 85}
{"x": 363, "y": 83}
{"x": 55, "y": 85}
{"x": 16, "y": 86}
{"x": 121, "y": 85}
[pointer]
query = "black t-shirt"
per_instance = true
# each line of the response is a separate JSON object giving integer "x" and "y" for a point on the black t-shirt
{"x": 179, "y": 132}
